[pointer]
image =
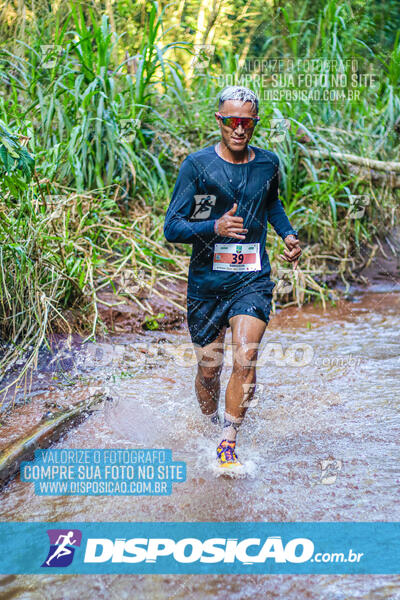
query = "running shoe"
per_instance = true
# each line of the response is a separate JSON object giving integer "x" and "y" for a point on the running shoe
{"x": 226, "y": 454}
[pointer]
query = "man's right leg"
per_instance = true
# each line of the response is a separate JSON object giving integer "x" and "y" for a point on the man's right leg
{"x": 210, "y": 360}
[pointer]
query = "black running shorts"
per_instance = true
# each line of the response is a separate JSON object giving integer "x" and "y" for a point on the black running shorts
{"x": 206, "y": 318}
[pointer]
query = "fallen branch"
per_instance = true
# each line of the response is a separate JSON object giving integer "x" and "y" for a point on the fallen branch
{"x": 43, "y": 435}
{"x": 370, "y": 163}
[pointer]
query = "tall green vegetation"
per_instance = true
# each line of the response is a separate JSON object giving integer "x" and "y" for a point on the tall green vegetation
{"x": 110, "y": 100}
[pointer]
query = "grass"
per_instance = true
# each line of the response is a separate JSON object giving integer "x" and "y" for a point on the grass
{"x": 108, "y": 134}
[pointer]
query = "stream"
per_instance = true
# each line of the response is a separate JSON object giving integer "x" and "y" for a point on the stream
{"x": 319, "y": 444}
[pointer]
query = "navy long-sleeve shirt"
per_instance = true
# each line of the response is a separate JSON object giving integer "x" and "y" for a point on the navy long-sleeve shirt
{"x": 206, "y": 188}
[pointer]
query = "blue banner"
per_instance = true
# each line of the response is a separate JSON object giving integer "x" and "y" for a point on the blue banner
{"x": 229, "y": 547}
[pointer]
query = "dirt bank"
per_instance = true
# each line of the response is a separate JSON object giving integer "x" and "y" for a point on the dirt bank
{"x": 127, "y": 315}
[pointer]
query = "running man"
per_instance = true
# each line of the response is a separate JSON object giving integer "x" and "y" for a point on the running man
{"x": 62, "y": 550}
{"x": 223, "y": 199}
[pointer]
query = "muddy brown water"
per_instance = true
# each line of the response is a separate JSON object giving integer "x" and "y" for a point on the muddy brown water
{"x": 341, "y": 407}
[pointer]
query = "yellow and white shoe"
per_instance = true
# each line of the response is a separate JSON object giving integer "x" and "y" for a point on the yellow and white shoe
{"x": 227, "y": 457}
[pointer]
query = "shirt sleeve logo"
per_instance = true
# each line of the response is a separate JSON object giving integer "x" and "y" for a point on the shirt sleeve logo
{"x": 203, "y": 206}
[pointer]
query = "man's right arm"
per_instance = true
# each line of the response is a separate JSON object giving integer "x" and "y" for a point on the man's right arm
{"x": 177, "y": 227}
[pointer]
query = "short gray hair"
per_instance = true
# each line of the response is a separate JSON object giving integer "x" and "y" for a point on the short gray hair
{"x": 238, "y": 92}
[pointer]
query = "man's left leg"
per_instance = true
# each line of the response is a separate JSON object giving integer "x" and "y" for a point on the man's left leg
{"x": 247, "y": 332}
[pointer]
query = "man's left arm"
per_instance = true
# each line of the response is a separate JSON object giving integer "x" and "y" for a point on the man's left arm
{"x": 280, "y": 222}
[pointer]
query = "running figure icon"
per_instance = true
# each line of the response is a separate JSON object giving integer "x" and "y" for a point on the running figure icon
{"x": 62, "y": 549}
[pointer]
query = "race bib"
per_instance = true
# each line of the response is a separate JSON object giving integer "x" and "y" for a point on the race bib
{"x": 236, "y": 257}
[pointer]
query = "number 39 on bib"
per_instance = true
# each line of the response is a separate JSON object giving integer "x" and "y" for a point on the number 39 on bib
{"x": 236, "y": 257}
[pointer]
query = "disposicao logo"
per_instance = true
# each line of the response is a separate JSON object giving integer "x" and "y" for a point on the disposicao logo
{"x": 184, "y": 551}
{"x": 62, "y": 542}
{"x": 190, "y": 550}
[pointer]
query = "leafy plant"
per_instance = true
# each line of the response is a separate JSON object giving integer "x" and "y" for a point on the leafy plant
{"x": 151, "y": 322}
